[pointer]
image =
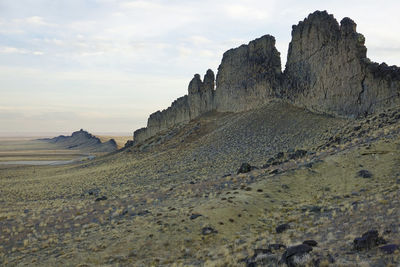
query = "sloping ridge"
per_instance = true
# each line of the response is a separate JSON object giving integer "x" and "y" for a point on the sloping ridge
{"x": 327, "y": 72}
{"x": 215, "y": 144}
{"x": 84, "y": 141}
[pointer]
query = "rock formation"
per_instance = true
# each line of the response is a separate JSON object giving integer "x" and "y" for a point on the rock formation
{"x": 248, "y": 76}
{"x": 327, "y": 71}
{"x": 200, "y": 99}
{"x": 84, "y": 141}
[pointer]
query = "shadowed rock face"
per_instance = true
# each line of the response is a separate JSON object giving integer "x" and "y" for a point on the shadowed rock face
{"x": 200, "y": 99}
{"x": 248, "y": 76}
{"x": 201, "y": 94}
{"x": 327, "y": 71}
{"x": 84, "y": 141}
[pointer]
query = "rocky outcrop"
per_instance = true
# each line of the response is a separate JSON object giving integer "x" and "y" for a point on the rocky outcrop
{"x": 200, "y": 99}
{"x": 248, "y": 76}
{"x": 327, "y": 70}
{"x": 83, "y": 141}
{"x": 201, "y": 94}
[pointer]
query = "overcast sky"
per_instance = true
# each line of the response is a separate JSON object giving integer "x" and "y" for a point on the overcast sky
{"x": 105, "y": 65}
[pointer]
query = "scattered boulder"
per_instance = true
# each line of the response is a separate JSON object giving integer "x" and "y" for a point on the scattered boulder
{"x": 282, "y": 228}
{"x": 101, "y": 198}
{"x": 143, "y": 212}
{"x": 296, "y": 255}
{"x": 208, "y": 231}
{"x": 364, "y": 174}
{"x": 285, "y": 186}
{"x": 195, "y": 216}
{"x": 368, "y": 240}
{"x": 93, "y": 192}
{"x": 245, "y": 168}
{"x": 389, "y": 249}
{"x": 315, "y": 209}
{"x": 275, "y": 171}
{"x": 297, "y": 154}
{"x": 311, "y": 243}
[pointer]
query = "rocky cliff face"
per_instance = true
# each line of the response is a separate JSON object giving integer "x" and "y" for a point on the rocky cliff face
{"x": 200, "y": 99}
{"x": 201, "y": 94}
{"x": 327, "y": 71}
{"x": 248, "y": 76}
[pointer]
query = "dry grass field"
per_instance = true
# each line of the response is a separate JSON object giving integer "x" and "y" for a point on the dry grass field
{"x": 178, "y": 199}
{"x": 26, "y": 149}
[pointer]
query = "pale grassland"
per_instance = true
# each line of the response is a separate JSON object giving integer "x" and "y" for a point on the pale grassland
{"x": 49, "y": 216}
{"x": 23, "y": 149}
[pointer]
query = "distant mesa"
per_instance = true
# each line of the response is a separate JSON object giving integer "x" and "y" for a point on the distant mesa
{"x": 84, "y": 141}
{"x": 327, "y": 71}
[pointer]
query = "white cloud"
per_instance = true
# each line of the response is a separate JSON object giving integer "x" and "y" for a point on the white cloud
{"x": 12, "y": 50}
{"x": 35, "y": 20}
{"x": 245, "y": 12}
{"x": 199, "y": 40}
{"x": 140, "y": 5}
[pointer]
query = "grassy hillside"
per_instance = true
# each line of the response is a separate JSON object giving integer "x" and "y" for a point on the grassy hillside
{"x": 177, "y": 198}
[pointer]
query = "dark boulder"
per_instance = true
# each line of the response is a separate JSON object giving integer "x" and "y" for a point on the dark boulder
{"x": 311, "y": 243}
{"x": 296, "y": 255}
{"x": 245, "y": 168}
{"x": 195, "y": 216}
{"x": 208, "y": 231}
{"x": 282, "y": 228}
{"x": 101, "y": 198}
{"x": 143, "y": 212}
{"x": 368, "y": 240}
{"x": 389, "y": 249}
{"x": 297, "y": 154}
{"x": 364, "y": 174}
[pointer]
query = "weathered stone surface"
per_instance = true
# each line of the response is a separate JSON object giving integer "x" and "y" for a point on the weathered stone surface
{"x": 177, "y": 113}
{"x": 201, "y": 94}
{"x": 327, "y": 70}
{"x": 200, "y": 99}
{"x": 248, "y": 76}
